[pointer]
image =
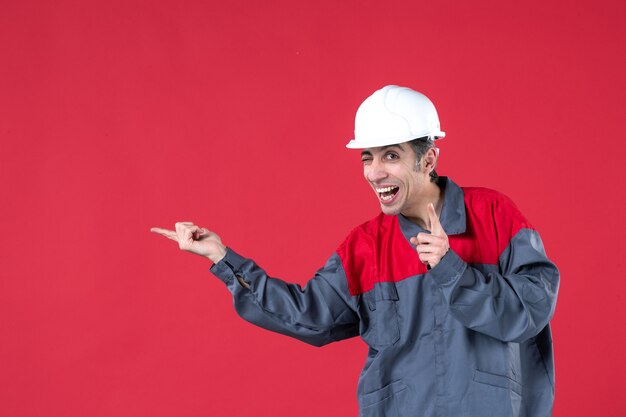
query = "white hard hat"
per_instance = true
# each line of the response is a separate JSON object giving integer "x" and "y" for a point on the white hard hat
{"x": 394, "y": 115}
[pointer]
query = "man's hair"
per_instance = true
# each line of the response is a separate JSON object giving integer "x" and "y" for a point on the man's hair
{"x": 420, "y": 146}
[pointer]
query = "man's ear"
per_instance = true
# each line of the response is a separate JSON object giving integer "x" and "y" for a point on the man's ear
{"x": 429, "y": 160}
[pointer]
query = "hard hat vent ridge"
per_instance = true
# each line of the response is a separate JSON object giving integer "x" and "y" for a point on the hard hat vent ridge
{"x": 389, "y": 102}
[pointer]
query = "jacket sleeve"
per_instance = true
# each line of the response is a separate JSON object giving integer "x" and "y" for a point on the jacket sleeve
{"x": 318, "y": 314}
{"x": 513, "y": 304}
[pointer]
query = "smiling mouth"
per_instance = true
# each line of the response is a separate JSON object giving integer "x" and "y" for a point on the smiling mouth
{"x": 387, "y": 193}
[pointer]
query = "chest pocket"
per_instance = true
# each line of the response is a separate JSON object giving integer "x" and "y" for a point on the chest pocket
{"x": 381, "y": 307}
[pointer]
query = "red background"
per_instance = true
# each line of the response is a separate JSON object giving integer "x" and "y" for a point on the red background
{"x": 116, "y": 116}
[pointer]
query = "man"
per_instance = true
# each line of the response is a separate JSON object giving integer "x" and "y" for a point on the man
{"x": 450, "y": 287}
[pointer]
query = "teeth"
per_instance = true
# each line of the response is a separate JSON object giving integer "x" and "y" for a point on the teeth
{"x": 389, "y": 197}
{"x": 385, "y": 190}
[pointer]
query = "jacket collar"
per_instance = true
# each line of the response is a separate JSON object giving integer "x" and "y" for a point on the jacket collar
{"x": 452, "y": 214}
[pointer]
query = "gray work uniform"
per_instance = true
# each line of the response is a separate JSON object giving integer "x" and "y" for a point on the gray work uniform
{"x": 469, "y": 337}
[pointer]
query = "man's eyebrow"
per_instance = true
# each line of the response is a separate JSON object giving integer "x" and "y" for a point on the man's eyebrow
{"x": 382, "y": 148}
{"x": 392, "y": 146}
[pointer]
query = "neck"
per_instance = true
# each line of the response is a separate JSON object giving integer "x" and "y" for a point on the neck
{"x": 418, "y": 213}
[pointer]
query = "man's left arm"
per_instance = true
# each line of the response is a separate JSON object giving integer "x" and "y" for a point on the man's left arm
{"x": 513, "y": 304}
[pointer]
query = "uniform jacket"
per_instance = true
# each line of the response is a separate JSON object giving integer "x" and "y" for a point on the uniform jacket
{"x": 469, "y": 337}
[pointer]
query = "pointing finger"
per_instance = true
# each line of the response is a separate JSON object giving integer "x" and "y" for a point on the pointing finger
{"x": 170, "y": 234}
{"x": 435, "y": 224}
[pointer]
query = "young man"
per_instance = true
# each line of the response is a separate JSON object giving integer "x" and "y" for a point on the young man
{"x": 450, "y": 287}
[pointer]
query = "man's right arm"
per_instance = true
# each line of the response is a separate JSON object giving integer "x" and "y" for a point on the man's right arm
{"x": 319, "y": 313}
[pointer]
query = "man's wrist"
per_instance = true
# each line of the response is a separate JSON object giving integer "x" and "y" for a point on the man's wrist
{"x": 218, "y": 256}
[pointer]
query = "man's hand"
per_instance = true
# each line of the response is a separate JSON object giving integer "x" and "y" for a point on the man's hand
{"x": 194, "y": 239}
{"x": 432, "y": 247}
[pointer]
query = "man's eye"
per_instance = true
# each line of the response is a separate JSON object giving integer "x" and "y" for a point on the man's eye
{"x": 364, "y": 160}
{"x": 391, "y": 156}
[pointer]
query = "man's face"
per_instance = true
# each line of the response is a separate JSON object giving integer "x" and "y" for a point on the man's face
{"x": 393, "y": 175}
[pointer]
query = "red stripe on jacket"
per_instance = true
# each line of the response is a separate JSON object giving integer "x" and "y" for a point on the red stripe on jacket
{"x": 377, "y": 251}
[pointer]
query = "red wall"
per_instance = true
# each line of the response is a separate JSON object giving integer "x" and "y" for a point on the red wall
{"x": 116, "y": 116}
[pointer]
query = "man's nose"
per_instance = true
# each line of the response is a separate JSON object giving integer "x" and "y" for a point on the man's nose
{"x": 375, "y": 172}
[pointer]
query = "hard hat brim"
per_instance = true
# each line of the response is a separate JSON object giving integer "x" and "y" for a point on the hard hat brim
{"x": 361, "y": 144}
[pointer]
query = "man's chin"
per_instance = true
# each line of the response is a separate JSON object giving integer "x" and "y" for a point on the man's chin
{"x": 390, "y": 210}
